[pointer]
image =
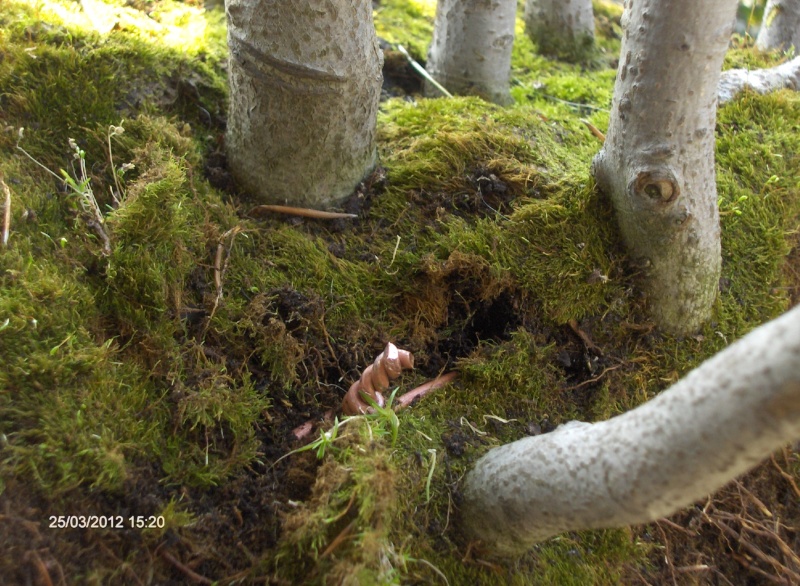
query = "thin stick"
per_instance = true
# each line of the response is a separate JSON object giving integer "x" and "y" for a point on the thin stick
{"x": 785, "y": 475}
{"x": 594, "y": 130}
{"x": 304, "y": 212}
{"x": 421, "y": 70}
{"x": 44, "y": 575}
{"x": 593, "y": 380}
{"x": 765, "y": 557}
{"x": 190, "y": 573}
{"x": 6, "y": 212}
{"x": 339, "y": 539}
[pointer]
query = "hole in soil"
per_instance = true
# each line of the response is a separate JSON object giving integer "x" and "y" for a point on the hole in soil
{"x": 470, "y": 322}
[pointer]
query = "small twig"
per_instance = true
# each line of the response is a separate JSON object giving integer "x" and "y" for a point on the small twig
{"x": 587, "y": 341}
{"x": 344, "y": 511}
{"x": 668, "y": 554}
{"x": 765, "y": 557}
{"x": 677, "y": 527}
{"x": 220, "y": 266}
{"x": 756, "y": 501}
{"x": 339, "y": 539}
{"x": 44, "y": 575}
{"x": 432, "y": 567}
{"x": 761, "y": 530}
{"x": 594, "y": 130}
{"x": 6, "y": 212}
{"x": 788, "y": 477}
{"x": 191, "y": 574}
{"x": 304, "y": 212}
{"x": 421, "y": 70}
{"x": 593, "y": 380}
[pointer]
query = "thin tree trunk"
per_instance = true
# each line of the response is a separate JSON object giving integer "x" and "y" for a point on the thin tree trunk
{"x": 762, "y": 81}
{"x": 781, "y": 26}
{"x": 716, "y": 423}
{"x": 564, "y": 28}
{"x": 305, "y": 82}
{"x": 470, "y": 53}
{"x": 657, "y": 164}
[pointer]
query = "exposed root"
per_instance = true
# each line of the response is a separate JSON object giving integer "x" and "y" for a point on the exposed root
{"x": 750, "y": 527}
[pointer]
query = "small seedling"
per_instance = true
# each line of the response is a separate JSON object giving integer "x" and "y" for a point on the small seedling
{"x": 384, "y": 414}
{"x": 325, "y": 440}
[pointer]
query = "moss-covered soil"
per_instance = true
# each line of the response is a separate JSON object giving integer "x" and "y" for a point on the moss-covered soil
{"x": 158, "y": 349}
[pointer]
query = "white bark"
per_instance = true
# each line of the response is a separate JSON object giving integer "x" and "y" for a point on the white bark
{"x": 716, "y": 423}
{"x": 564, "y": 28}
{"x": 781, "y": 26}
{"x": 305, "y": 83}
{"x": 657, "y": 163}
{"x": 470, "y": 53}
{"x": 762, "y": 81}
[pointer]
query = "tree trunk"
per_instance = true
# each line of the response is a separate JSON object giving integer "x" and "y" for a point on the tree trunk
{"x": 470, "y": 53}
{"x": 762, "y": 81}
{"x": 781, "y": 26}
{"x": 564, "y": 28}
{"x": 305, "y": 82}
{"x": 714, "y": 424}
{"x": 657, "y": 164}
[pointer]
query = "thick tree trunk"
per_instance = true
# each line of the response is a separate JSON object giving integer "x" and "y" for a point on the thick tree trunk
{"x": 714, "y": 424}
{"x": 305, "y": 82}
{"x": 470, "y": 53}
{"x": 657, "y": 164}
{"x": 564, "y": 28}
{"x": 781, "y": 26}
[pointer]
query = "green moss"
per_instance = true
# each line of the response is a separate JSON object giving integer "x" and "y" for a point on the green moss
{"x": 342, "y": 531}
{"x": 407, "y": 22}
{"x": 71, "y": 414}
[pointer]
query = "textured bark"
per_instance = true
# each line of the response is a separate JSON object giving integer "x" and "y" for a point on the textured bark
{"x": 762, "y": 81}
{"x": 305, "y": 82}
{"x": 470, "y": 53}
{"x": 781, "y": 26}
{"x": 716, "y": 423}
{"x": 657, "y": 163}
{"x": 564, "y": 28}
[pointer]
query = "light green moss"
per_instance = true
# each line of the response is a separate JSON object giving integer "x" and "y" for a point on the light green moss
{"x": 407, "y": 22}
